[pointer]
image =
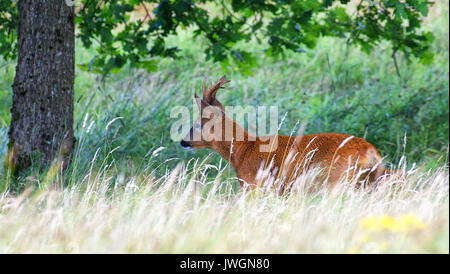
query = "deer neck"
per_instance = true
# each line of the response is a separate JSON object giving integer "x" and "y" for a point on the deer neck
{"x": 235, "y": 140}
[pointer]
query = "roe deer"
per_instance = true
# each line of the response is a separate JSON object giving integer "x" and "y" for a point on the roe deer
{"x": 335, "y": 154}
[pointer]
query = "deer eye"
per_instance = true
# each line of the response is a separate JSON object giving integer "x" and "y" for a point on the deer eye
{"x": 197, "y": 126}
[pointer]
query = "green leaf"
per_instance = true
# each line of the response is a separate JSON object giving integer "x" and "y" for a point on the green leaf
{"x": 149, "y": 66}
{"x": 422, "y": 8}
{"x": 427, "y": 58}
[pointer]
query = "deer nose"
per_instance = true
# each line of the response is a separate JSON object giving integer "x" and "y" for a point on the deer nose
{"x": 183, "y": 143}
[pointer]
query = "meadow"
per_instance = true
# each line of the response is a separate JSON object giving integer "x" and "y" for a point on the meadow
{"x": 132, "y": 189}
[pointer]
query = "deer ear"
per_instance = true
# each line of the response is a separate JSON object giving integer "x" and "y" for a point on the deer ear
{"x": 200, "y": 102}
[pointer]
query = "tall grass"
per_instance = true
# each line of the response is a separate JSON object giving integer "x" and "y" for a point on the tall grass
{"x": 185, "y": 212}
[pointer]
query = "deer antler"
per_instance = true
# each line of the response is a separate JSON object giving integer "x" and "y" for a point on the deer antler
{"x": 211, "y": 93}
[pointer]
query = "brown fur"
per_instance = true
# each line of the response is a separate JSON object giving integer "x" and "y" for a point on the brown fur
{"x": 337, "y": 155}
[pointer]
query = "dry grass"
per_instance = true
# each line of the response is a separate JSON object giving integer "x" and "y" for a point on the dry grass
{"x": 183, "y": 212}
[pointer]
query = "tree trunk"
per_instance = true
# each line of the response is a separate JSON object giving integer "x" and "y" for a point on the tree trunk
{"x": 42, "y": 112}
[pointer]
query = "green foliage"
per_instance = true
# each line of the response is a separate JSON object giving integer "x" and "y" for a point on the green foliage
{"x": 285, "y": 26}
{"x": 8, "y": 28}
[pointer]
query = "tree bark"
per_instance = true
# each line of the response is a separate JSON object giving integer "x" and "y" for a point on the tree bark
{"x": 42, "y": 111}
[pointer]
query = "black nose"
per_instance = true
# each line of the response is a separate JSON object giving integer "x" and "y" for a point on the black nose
{"x": 185, "y": 144}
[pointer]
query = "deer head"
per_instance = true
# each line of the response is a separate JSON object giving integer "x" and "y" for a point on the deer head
{"x": 208, "y": 128}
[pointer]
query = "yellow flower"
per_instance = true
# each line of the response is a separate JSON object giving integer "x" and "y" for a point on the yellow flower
{"x": 409, "y": 222}
{"x": 388, "y": 222}
{"x": 404, "y": 223}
